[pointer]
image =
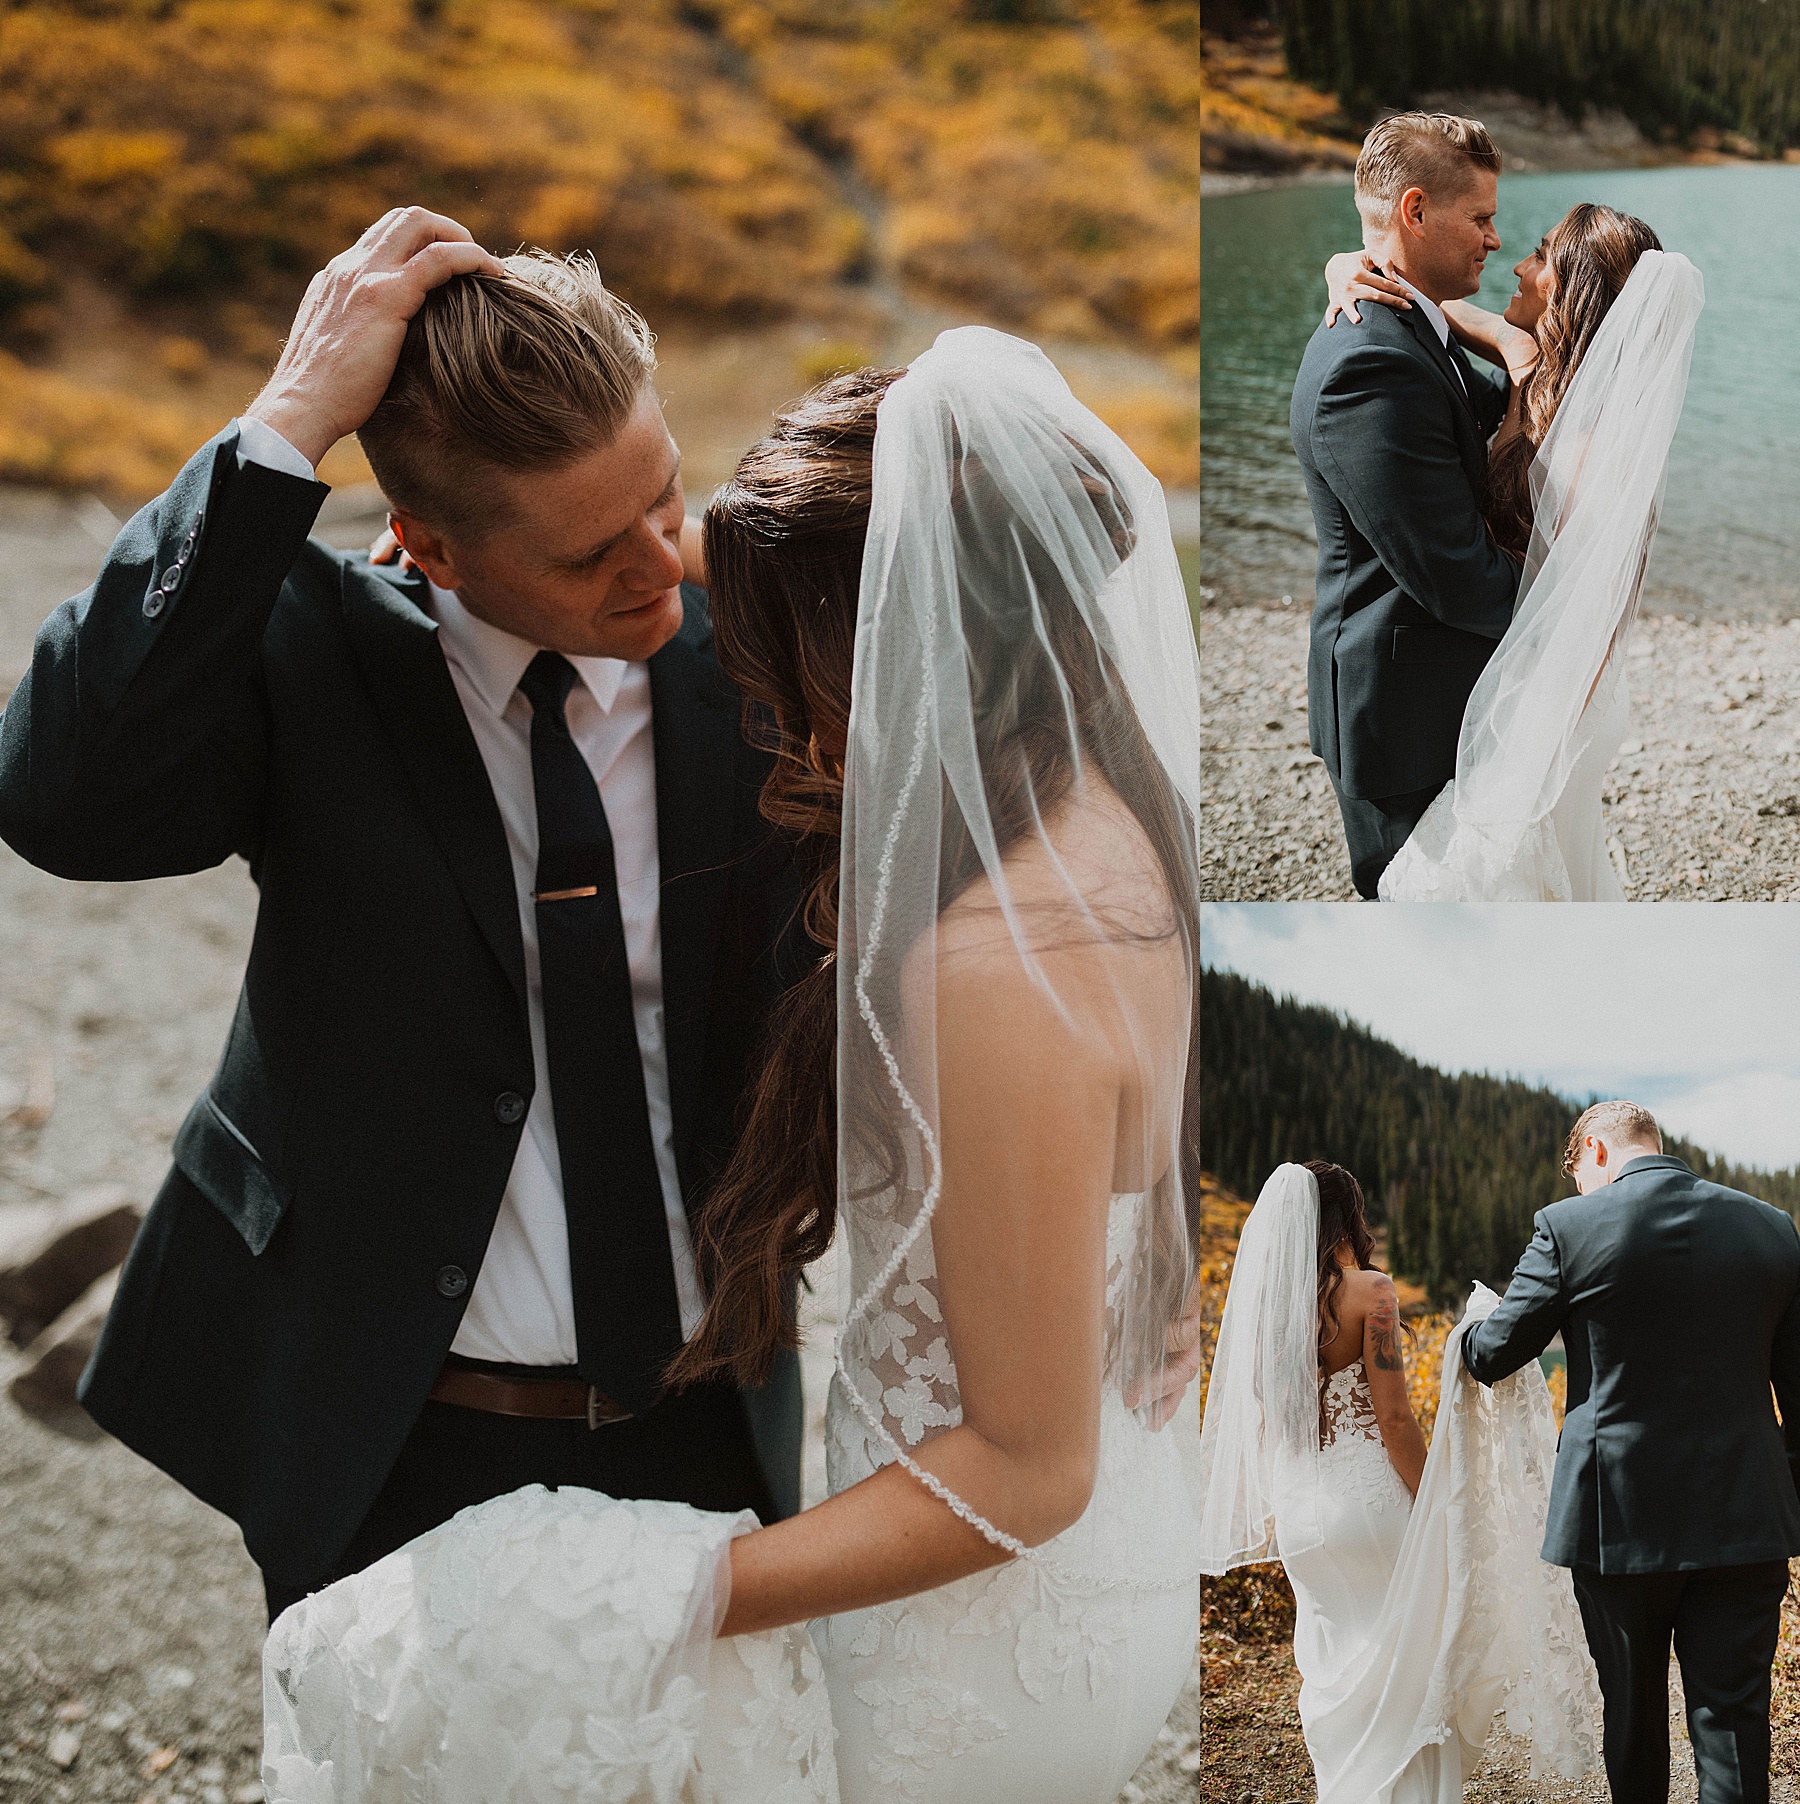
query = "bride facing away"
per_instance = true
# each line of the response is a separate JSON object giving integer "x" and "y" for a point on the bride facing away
{"x": 1597, "y": 342}
{"x": 1421, "y": 1606}
{"x": 951, "y": 602}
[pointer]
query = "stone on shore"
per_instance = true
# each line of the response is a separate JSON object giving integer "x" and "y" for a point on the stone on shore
{"x": 1702, "y": 802}
{"x": 55, "y": 1361}
{"x": 55, "y": 1256}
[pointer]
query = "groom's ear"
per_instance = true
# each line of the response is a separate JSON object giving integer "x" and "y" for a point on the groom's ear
{"x": 426, "y": 547}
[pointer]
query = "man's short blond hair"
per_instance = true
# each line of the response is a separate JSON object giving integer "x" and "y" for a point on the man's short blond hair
{"x": 1626, "y": 1122}
{"x": 526, "y": 371}
{"x": 1439, "y": 152}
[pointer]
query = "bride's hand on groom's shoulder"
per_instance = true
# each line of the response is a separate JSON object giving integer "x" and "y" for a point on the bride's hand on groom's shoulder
{"x": 347, "y": 335}
{"x": 1353, "y": 276}
{"x": 387, "y": 549}
{"x": 1162, "y": 1392}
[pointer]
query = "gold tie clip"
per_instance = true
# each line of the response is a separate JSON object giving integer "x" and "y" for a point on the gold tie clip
{"x": 564, "y": 895}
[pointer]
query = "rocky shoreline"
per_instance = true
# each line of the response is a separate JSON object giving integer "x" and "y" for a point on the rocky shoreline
{"x": 1702, "y": 802}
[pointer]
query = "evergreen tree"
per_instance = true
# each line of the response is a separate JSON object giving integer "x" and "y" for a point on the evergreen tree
{"x": 1453, "y": 1166}
{"x": 1671, "y": 65}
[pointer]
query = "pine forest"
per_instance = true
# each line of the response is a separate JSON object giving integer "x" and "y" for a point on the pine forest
{"x": 1453, "y": 1166}
{"x": 1673, "y": 66}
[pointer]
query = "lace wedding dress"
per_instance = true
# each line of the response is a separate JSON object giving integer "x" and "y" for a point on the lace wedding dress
{"x": 1043, "y": 1681}
{"x": 1416, "y": 1620}
{"x": 558, "y": 1644}
{"x": 1341, "y": 1586}
{"x": 1521, "y": 819}
{"x": 548, "y": 1645}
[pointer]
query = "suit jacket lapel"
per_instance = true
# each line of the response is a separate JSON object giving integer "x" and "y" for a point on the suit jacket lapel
{"x": 1440, "y": 355}
{"x": 694, "y": 722}
{"x": 396, "y": 642}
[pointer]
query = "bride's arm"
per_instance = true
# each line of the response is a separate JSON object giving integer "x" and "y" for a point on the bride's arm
{"x": 1385, "y": 1364}
{"x": 1028, "y": 1115}
{"x": 1510, "y": 347}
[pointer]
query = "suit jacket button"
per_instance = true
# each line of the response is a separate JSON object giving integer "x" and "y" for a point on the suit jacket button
{"x": 509, "y": 1106}
{"x": 153, "y": 604}
{"x": 452, "y": 1281}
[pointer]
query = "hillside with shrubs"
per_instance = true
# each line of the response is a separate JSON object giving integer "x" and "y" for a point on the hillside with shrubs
{"x": 1454, "y": 1165}
{"x": 182, "y": 166}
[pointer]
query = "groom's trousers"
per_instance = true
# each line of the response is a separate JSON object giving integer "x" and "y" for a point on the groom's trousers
{"x": 1723, "y": 1624}
{"x": 1374, "y": 831}
{"x": 694, "y": 1446}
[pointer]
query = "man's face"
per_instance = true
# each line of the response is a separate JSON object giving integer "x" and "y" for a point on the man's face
{"x": 589, "y": 563}
{"x": 1447, "y": 241}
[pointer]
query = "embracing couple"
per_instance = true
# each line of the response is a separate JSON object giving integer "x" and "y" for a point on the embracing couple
{"x": 1483, "y": 532}
{"x": 620, "y": 940}
{"x": 1436, "y": 1589}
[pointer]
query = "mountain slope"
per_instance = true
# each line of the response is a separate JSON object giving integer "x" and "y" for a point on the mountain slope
{"x": 1454, "y": 1166}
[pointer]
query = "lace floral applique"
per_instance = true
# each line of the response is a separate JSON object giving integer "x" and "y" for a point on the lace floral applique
{"x": 921, "y": 1722}
{"x": 1063, "y": 1634}
{"x": 788, "y": 1717}
{"x": 1351, "y": 1448}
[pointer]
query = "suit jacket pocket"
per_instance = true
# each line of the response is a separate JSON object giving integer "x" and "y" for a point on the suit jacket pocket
{"x": 218, "y": 1159}
{"x": 1438, "y": 645}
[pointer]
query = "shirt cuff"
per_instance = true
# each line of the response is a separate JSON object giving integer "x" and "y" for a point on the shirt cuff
{"x": 260, "y": 443}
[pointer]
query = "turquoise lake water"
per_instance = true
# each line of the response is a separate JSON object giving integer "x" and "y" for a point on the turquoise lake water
{"x": 1730, "y": 537}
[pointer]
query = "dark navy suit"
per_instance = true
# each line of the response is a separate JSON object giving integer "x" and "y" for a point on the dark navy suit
{"x": 1674, "y": 1498}
{"x": 1412, "y": 596}
{"x": 229, "y": 687}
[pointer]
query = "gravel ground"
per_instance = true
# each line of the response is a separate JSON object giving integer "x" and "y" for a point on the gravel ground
{"x": 130, "y": 1615}
{"x": 1254, "y": 1754}
{"x": 1703, "y": 800}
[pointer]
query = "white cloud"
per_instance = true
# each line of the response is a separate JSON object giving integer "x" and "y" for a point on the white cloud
{"x": 1693, "y": 1009}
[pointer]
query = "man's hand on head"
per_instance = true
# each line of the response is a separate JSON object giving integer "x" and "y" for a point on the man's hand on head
{"x": 346, "y": 338}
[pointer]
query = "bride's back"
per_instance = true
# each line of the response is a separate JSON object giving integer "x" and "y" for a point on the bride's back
{"x": 1087, "y": 920}
{"x": 1341, "y": 1332}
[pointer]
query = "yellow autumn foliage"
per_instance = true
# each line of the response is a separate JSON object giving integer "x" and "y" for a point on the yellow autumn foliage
{"x": 1032, "y": 162}
{"x": 1049, "y": 173}
{"x": 244, "y": 142}
{"x": 715, "y": 157}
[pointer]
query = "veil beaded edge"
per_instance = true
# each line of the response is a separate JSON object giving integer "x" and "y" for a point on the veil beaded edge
{"x": 1596, "y": 485}
{"x": 1003, "y": 514}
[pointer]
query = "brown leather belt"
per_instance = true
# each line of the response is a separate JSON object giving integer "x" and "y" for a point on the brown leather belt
{"x": 553, "y": 1399}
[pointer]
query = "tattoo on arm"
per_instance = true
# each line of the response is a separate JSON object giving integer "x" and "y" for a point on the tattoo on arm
{"x": 1384, "y": 1322}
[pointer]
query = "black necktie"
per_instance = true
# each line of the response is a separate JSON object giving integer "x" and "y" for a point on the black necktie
{"x": 627, "y": 1319}
{"x": 1464, "y": 375}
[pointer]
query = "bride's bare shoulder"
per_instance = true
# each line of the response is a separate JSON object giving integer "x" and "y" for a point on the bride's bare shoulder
{"x": 1075, "y": 928}
{"x": 1364, "y": 1293}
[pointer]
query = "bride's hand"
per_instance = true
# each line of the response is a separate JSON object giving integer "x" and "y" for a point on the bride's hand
{"x": 1182, "y": 1343}
{"x": 387, "y": 549}
{"x": 1353, "y": 276}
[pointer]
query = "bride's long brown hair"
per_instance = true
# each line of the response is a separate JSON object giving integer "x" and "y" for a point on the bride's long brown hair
{"x": 1591, "y": 252}
{"x": 784, "y": 546}
{"x": 1343, "y": 1223}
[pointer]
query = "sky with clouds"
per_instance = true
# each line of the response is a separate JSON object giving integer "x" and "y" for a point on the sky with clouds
{"x": 1692, "y": 1009}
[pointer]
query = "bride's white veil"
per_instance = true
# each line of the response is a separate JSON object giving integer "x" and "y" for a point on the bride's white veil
{"x": 1259, "y": 1446}
{"x": 1596, "y": 488}
{"x": 1020, "y": 844}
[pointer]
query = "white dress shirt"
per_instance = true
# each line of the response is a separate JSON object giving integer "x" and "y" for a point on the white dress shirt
{"x": 521, "y": 1310}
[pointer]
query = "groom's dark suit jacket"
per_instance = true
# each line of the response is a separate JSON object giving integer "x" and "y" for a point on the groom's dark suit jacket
{"x": 1679, "y": 1305}
{"x": 228, "y": 686}
{"x": 1412, "y": 594}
